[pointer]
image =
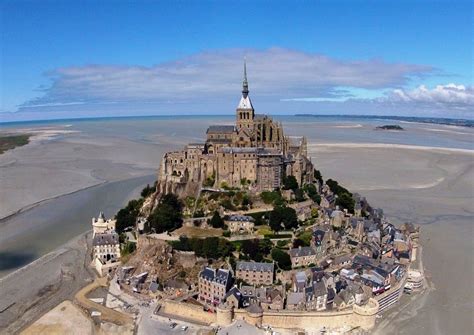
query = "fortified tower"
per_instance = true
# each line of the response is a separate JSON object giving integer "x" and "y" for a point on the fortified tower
{"x": 245, "y": 112}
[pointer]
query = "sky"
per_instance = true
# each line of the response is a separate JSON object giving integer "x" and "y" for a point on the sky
{"x": 71, "y": 59}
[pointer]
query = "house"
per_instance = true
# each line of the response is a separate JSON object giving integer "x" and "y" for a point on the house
{"x": 337, "y": 218}
{"x": 106, "y": 251}
{"x": 348, "y": 274}
{"x": 295, "y": 301}
{"x": 255, "y": 273}
{"x": 271, "y": 297}
{"x": 248, "y": 295}
{"x": 316, "y": 296}
{"x": 234, "y": 298}
{"x": 322, "y": 240}
{"x": 240, "y": 224}
{"x": 299, "y": 281}
{"x": 342, "y": 260}
{"x": 302, "y": 256}
{"x": 330, "y": 298}
{"x": 175, "y": 287}
{"x": 213, "y": 284}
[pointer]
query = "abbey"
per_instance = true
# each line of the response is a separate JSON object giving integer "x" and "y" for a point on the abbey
{"x": 253, "y": 152}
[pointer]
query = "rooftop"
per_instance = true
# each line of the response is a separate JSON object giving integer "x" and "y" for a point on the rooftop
{"x": 220, "y": 129}
{"x": 254, "y": 266}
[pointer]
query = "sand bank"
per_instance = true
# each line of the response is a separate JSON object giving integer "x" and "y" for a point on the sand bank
{"x": 317, "y": 146}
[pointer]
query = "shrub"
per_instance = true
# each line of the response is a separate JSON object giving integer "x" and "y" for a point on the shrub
{"x": 167, "y": 215}
{"x": 216, "y": 221}
{"x": 127, "y": 216}
{"x": 290, "y": 183}
{"x": 283, "y": 217}
{"x": 271, "y": 197}
{"x": 282, "y": 259}
{"x": 148, "y": 190}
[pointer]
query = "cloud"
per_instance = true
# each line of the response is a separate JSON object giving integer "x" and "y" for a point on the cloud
{"x": 274, "y": 74}
{"x": 450, "y": 95}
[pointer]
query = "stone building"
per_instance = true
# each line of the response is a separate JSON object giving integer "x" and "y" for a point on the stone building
{"x": 106, "y": 251}
{"x": 303, "y": 256}
{"x": 102, "y": 225}
{"x": 240, "y": 224}
{"x": 254, "y": 150}
{"x": 213, "y": 284}
{"x": 255, "y": 273}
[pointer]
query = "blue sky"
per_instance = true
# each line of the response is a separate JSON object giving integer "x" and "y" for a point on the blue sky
{"x": 63, "y": 59}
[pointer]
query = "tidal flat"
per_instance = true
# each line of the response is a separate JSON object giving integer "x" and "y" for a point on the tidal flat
{"x": 423, "y": 175}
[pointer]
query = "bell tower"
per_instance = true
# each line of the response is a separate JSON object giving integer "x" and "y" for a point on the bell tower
{"x": 245, "y": 112}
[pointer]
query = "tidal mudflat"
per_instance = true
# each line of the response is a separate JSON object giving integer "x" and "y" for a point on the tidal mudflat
{"x": 423, "y": 175}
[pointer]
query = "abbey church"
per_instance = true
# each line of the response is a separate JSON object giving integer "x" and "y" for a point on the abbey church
{"x": 254, "y": 151}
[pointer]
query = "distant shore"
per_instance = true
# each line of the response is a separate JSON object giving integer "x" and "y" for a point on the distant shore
{"x": 433, "y": 120}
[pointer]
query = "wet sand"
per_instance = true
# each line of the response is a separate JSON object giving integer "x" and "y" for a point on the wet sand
{"x": 41, "y": 229}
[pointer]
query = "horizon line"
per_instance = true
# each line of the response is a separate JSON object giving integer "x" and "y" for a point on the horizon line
{"x": 371, "y": 116}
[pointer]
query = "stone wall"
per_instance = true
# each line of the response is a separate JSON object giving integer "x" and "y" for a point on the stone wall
{"x": 188, "y": 311}
{"x": 359, "y": 316}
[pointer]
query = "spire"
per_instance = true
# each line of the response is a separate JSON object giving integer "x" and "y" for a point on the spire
{"x": 245, "y": 84}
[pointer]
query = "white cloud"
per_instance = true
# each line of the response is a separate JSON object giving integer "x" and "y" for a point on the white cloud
{"x": 273, "y": 73}
{"x": 448, "y": 95}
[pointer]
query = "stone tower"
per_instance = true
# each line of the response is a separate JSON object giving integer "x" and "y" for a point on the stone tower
{"x": 245, "y": 112}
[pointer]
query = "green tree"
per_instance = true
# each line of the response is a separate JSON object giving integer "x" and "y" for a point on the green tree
{"x": 216, "y": 221}
{"x": 283, "y": 217}
{"x": 299, "y": 195}
{"x": 168, "y": 215}
{"x": 282, "y": 259}
{"x": 127, "y": 216}
{"x": 148, "y": 190}
{"x": 318, "y": 176}
{"x": 271, "y": 197}
{"x": 312, "y": 192}
{"x": 346, "y": 201}
{"x": 290, "y": 183}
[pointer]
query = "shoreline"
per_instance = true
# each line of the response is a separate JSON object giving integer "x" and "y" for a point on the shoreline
{"x": 26, "y": 296}
{"x": 50, "y": 256}
{"x": 40, "y": 202}
{"x": 355, "y": 145}
{"x": 40, "y": 229}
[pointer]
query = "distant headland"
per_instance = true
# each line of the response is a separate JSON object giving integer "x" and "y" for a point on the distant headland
{"x": 419, "y": 119}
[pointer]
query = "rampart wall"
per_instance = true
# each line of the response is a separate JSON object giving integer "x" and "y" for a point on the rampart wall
{"x": 358, "y": 316}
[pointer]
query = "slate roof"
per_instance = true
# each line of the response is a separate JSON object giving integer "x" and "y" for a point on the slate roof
{"x": 319, "y": 236}
{"x": 342, "y": 259}
{"x": 220, "y": 276}
{"x": 247, "y": 291}
{"x": 238, "y": 150}
{"x": 319, "y": 289}
{"x": 331, "y": 294}
{"x": 294, "y": 298}
{"x": 105, "y": 239}
{"x": 243, "y": 218}
{"x": 303, "y": 251}
{"x": 220, "y": 129}
{"x": 234, "y": 291}
{"x": 255, "y": 266}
